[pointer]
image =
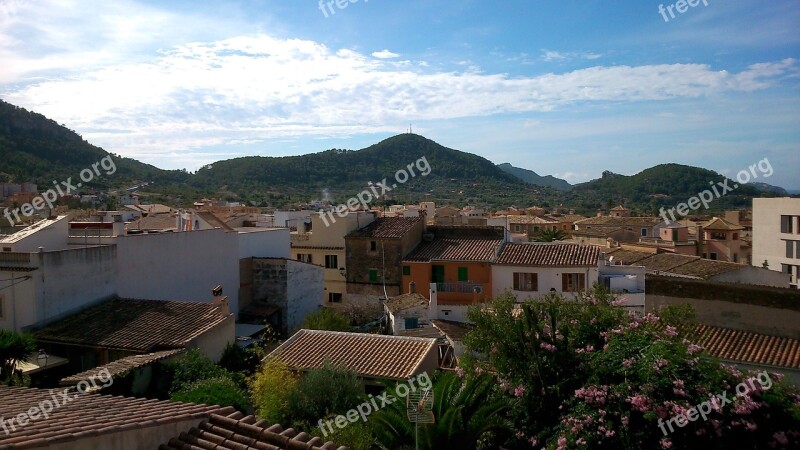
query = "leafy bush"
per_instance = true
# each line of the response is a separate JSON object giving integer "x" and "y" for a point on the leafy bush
{"x": 192, "y": 367}
{"x": 270, "y": 388}
{"x": 322, "y": 392}
{"x": 221, "y": 391}
{"x": 326, "y": 319}
{"x": 14, "y": 347}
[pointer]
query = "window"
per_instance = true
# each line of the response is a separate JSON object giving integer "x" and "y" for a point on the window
{"x": 6, "y": 249}
{"x": 411, "y": 323}
{"x": 786, "y": 268}
{"x": 735, "y": 236}
{"x": 712, "y": 256}
{"x": 373, "y": 275}
{"x": 304, "y": 257}
{"x": 517, "y": 228}
{"x": 718, "y": 235}
{"x": 334, "y": 297}
{"x": 526, "y": 281}
{"x": 675, "y": 235}
{"x": 407, "y": 270}
{"x": 463, "y": 274}
{"x": 790, "y": 249}
{"x": 786, "y": 224}
{"x": 331, "y": 261}
{"x": 644, "y": 232}
{"x": 437, "y": 274}
{"x": 373, "y": 246}
{"x": 736, "y": 257}
{"x": 573, "y": 282}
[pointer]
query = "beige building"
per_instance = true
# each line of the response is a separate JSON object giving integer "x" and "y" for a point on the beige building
{"x": 324, "y": 246}
{"x": 776, "y": 235}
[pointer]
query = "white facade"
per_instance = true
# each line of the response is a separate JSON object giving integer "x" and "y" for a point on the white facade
{"x": 40, "y": 287}
{"x": 264, "y": 243}
{"x": 49, "y": 234}
{"x": 304, "y": 284}
{"x": 548, "y": 279}
{"x": 776, "y": 235}
{"x": 291, "y": 219}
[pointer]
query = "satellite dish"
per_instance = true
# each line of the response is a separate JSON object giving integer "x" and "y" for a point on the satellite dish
{"x": 419, "y": 406}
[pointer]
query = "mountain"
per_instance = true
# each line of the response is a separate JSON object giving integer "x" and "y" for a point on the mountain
{"x": 454, "y": 176}
{"x": 764, "y": 187}
{"x": 534, "y": 178}
{"x": 35, "y": 148}
{"x": 664, "y": 185}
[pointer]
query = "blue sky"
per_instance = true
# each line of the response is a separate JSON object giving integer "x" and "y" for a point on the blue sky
{"x": 568, "y": 88}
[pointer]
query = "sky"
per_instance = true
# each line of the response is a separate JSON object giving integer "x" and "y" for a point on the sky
{"x": 568, "y": 88}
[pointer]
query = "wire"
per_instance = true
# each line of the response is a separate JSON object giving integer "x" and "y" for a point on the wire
{"x": 16, "y": 281}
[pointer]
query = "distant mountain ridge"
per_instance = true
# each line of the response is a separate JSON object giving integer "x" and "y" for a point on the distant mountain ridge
{"x": 35, "y": 148}
{"x": 534, "y": 178}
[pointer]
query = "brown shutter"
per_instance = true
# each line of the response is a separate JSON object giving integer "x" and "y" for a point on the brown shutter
{"x": 582, "y": 281}
{"x": 564, "y": 282}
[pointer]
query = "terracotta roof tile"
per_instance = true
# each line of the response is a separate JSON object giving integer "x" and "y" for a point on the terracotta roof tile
{"x": 121, "y": 366}
{"x": 369, "y": 355}
{"x": 748, "y": 347}
{"x": 214, "y": 221}
{"x": 459, "y": 244}
{"x": 549, "y": 255}
{"x": 154, "y": 222}
{"x": 236, "y": 432}
{"x": 453, "y": 330}
{"x": 135, "y": 325}
{"x": 619, "y": 221}
{"x": 87, "y": 415}
{"x": 405, "y": 301}
{"x": 719, "y": 224}
{"x": 387, "y": 227}
{"x": 628, "y": 257}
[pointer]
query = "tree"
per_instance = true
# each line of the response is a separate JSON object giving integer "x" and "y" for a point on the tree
{"x": 326, "y": 319}
{"x": 222, "y": 391}
{"x": 322, "y": 392}
{"x": 550, "y": 236}
{"x": 466, "y": 410}
{"x": 14, "y": 347}
{"x": 270, "y": 388}
{"x": 192, "y": 367}
{"x": 587, "y": 375}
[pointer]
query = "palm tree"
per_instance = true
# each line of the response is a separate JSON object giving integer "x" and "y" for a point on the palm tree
{"x": 14, "y": 347}
{"x": 550, "y": 236}
{"x": 465, "y": 411}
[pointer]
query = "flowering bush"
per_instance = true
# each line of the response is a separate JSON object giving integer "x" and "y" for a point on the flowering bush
{"x": 586, "y": 374}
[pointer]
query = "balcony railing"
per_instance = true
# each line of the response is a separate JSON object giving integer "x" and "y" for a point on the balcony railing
{"x": 461, "y": 287}
{"x": 15, "y": 258}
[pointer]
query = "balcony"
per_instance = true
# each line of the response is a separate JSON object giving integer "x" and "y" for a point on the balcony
{"x": 460, "y": 287}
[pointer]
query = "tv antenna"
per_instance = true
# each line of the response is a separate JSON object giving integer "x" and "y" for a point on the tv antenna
{"x": 419, "y": 409}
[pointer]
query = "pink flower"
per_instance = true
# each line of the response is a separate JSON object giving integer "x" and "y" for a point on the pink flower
{"x": 460, "y": 372}
{"x": 694, "y": 349}
{"x": 671, "y": 331}
{"x": 781, "y": 438}
{"x": 639, "y": 402}
{"x": 625, "y": 421}
{"x": 548, "y": 347}
{"x": 666, "y": 443}
{"x": 519, "y": 391}
{"x": 628, "y": 362}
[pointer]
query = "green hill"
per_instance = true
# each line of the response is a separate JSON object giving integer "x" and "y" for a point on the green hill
{"x": 532, "y": 177}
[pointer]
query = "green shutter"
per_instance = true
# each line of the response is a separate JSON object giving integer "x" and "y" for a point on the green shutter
{"x": 373, "y": 275}
{"x": 407, "y": 270}
{"x": 463, "y": 274}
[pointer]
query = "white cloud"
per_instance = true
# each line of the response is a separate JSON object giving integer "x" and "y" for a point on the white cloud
{"x": 385, "y": 54}
{"x": 551, "y": 56}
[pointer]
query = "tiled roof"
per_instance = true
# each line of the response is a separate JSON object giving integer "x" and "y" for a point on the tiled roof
{"x": 121, "y": 366}
{"x": 705, "y": 268}
{"x": 459, "y": 244}
{"x": 87, "y": 415}
{"x": 566, "y": 217}
{"x": 549, "y": 255}
{"x": 619, "y": 208}
{"x": 597, "y": 231}
{"x": 237, "y": 432}
{"x": 619, "y": 221}
{"x": 135, "y": 325}
{"x": 405, "y": 301}
{"x": 674, "y": 263}
{"x": 214, "y": 221}
{"x": 748, "y": 347}
{"x": 369, "y": 355}
{"x": 627, "y": 257}
{"x": 154, "y": 222}
{"x": 387, "y": 227}
{"x": 313, "y": 247}
{"x": 531, "y": 220}
{"x": 718, "y": 224}
{"x": 453, "y": 330}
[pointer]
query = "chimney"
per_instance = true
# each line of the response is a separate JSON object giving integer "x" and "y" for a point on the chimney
{"x": 220, "y": 300}
{"x": 412, "y": 288}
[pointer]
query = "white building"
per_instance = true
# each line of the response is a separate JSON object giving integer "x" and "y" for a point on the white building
{"x": 776, "y": 235}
